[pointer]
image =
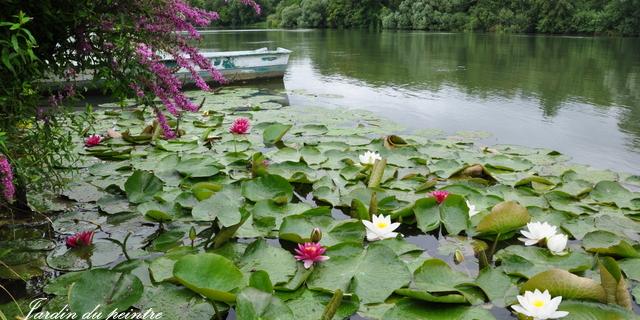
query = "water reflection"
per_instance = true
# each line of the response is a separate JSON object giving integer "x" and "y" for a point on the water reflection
{"x": 578, "y": 95}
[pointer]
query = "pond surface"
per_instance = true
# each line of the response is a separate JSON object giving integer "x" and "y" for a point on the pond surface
{"x": 577, "y": 95}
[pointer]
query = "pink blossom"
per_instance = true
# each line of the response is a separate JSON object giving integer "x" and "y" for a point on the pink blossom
{"x": 240, "y": 126}
{"x": 440, "y": 195}
{"x": 253, "y": 4}
{"x": 137, "y": 89}
{"x": 80, "y": 239}
{"x": 310, "y": 253}
{"x": 93, "y": 140}
{"x": 6, "y": 179}
{"x": 164, "y": 124}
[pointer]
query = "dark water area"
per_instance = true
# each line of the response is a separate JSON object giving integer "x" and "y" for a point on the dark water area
{"x": 577, "y": 95}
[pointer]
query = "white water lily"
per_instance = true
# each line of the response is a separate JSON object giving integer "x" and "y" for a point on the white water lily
{"x": 539, "y": 305}
{"x": 557, "y": 244}
{"x": 380, "y": 228}
{"x": 369, "y": 158}
{"x": 472, "y": 209}
{"x": 537, "y": 231}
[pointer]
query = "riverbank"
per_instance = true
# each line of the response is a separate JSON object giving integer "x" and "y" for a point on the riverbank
{"x": 219, "y": 215}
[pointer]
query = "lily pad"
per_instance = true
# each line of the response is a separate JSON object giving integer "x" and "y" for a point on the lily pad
{"x": 277, "y": 262}
{"x": 270, "y": 187}
{"x": 609, "y": 243}
{"x": 198, "y": 167}
{"x": 452, "y": 213}
{"x": 613, "y": 192}
{"x": 225, "y": 205}
{"x": 563, "y": 283}
{"x": 504, "y": 217}
{"x": 209, "y": 274}
{"x": 255, "y": 304}
{"x": 529, "y": 261}
{"x": 274, "y": 133}
{"x": 176, "y": 302}
{"x": 105, "y": 291}
{"x": 364, "y": 272}
{"x": 297, "y": 228}
{"x": 142, "y": 186}
{"x": 583, "y": 310}
{"x": 407, "y": 309}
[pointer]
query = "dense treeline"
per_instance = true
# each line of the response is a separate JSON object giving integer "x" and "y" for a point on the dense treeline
{"x": 616, "y": 17}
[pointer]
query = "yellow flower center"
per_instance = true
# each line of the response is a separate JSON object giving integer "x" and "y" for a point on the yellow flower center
{"x": 382, "y": 225}
{"x": 538, "y": 303}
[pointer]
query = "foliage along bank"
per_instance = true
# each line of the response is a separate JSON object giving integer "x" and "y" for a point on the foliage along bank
{"x": 513, "y": 16}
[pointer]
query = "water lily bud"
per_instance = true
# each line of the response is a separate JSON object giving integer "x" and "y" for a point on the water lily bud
{"x": 316, "y": 235}
{"x": 557, "y": 244}
{"x": 458, "y": 256}
{"x": 192, "y": 234}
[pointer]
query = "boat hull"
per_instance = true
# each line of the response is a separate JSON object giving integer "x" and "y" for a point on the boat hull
{"x": 242, "y": 65}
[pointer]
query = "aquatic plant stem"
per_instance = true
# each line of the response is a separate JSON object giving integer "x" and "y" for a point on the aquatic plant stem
{"x": 215, "y": 309}
{"x": 333, "y": 305}
{"x": 13, "y": 298}
{"x": 494, "y": 245}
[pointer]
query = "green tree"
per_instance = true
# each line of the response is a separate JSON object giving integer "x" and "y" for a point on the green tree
{"x": 313, "y": 13}
{"x": 290, "y": 15}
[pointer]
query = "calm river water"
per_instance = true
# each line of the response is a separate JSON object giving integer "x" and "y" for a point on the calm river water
{"x": 577, "y": 95}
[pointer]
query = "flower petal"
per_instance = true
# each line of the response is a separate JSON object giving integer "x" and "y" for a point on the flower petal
{"x": 308, "y": 264}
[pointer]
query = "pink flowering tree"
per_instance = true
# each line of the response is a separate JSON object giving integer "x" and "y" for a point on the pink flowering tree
{"x": 120, "y": 42}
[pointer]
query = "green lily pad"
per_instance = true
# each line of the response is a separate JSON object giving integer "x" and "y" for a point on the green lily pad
{"x": 225, "y": 205}
{"x": 613, "y": 192}
{"x": 269, "y": 214}
{"x": 407, "y": 309}
{"x": 584, "y": 310}
{"x": 297, "y": 228}
{"x": 255, "y": 304}
{"x": 614, "y": 283}
{"x": 504, "y": 217}
{"x": 310, "y": 305}
{"x": 142, "y": 186}
{"x": 609, "y": 243}
{"x": 529, "y": 261}
{"x": 198, "y": 167}
{"x": 83, "y": 192}
{"x": 99, "y": 254}
{"x": 452, "y": 213}
{"x": 563, "y": 283}
{"x": 105, "y": 291}
{"x": 269, "y": 187}
{"x": 114, "y": 204}
{"x": 176, "y": 302}
{"x": 209, "y": 274}
{"x": 499, "y": 287}
{"x": 364, "y": 272}
{"x": 277, "y": 262}
{"x": 274, "y": 133}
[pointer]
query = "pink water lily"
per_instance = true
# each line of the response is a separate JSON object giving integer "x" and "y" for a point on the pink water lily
{"x": 80, "y": 239}
{"x": 240, "y": 126}
{"x": 310, "y": 253}
{"x": 93, "y": 140}
{"x": 440, "y": 195}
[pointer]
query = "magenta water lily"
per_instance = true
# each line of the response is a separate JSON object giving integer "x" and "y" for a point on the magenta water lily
{"x": 80, "y": 239}
{"x": 440, "y": 195}
{"x": 310, "y": 253}
{"x": 240, "y": 126}
{"x": 93, "y": 140}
